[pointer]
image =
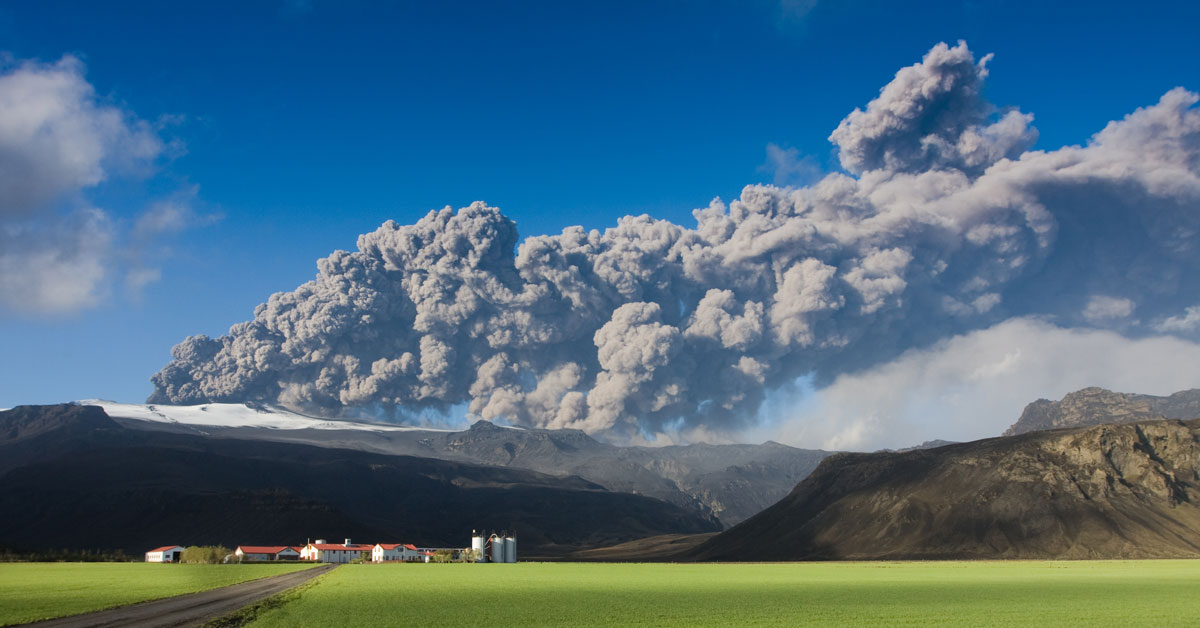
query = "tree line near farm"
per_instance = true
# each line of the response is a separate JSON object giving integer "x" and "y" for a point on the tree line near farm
{"x": 212, "y": 554}
{"x": 451, "y": 556}
{"x": 196, "y": 554}
{"x": 67, "y": 556}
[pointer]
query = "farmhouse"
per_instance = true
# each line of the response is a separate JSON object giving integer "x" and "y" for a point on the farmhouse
{"x": 496, "y": 548}
{"x": 323, "y": 552}
{"x": 266, "y": 552}
{"x": 404, "y": 552}
{"x": 165, "y": 554}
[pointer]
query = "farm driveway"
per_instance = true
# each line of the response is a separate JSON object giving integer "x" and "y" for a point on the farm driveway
{"x": 193, "y": 609}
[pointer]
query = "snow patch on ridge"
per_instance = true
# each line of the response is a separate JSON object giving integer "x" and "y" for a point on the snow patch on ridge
{"x": 239, "y": 415}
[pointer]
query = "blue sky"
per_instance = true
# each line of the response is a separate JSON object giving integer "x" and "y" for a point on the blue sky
{"x": 290, "y": 128}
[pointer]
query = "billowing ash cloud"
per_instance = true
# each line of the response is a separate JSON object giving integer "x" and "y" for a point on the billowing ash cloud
{"x": 945, "y": 224}
{"x": 931, "y": 116}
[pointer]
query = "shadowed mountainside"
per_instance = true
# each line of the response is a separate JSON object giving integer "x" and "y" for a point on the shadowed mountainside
{"x": 1096, "y": 406}
{"x": 72, "y": 477}
{"x": 729, "y": 482}
{"x": 1111, "y": 491}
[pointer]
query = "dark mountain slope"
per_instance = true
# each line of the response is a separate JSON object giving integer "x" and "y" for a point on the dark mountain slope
{"x": 66, "y": 419}
{"x": 1112, "y": 491}
{"x": 1096, "y": 406}
{"x": 730, "y": 482}
{"x": 81, "y": 482}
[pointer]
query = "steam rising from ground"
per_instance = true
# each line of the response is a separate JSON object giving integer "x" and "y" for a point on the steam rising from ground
{"x": 945, "y": 223}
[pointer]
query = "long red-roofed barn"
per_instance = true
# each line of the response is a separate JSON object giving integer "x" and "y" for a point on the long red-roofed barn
{"x": 323, "y": 552}
{"x": 267, "y": 552}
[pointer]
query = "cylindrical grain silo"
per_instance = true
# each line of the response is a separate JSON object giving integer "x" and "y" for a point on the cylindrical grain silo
{"x": 497, "y": 548}
{"x": 477, "y": 548}
{"x": 510, "y": 549}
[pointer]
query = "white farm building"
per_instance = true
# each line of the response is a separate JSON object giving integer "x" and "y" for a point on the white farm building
{"x": 323, "y": 552}
{"x": 165, "y": 554}
{"x": 402, "y": 552}
{"x": 494, "y": 548}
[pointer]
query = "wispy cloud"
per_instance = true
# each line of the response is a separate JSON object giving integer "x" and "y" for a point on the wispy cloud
{"x": 795, "y": 10}
{"x": 1187, "y": 322}
{"x": 58, "y": 252}
{"x": 1101, "y": 308}
{"x": 788, "y": 167}
{"x": 147, "y": 243}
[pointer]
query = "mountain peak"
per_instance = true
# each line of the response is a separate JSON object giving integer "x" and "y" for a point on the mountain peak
{"x": 484, "y": 425}
{"x": 27, "y": 421}
{"x": 1095, "y": 405}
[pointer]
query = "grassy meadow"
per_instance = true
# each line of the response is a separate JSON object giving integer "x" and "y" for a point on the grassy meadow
{"x": 1077, "y": 593}
{"x": 33, "y": 591}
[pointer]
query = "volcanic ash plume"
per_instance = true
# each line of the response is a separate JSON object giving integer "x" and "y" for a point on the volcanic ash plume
{"x": 945, "y": 222}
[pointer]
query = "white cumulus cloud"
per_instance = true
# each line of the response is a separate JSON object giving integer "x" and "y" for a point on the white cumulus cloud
{"x": 58, "y": 139}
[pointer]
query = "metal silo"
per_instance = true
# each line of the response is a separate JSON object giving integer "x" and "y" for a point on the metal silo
{"x": 510, "y": 549}
{"x": 497, "y": 548}
{"x": 477, "y": 547}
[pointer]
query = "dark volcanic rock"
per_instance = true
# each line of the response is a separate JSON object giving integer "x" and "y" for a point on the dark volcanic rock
{"x": 1111, "y": 491}
{"x": 931, "y": 444}
{"x": 24, "y": 422}
{"x": 1096, "y": 406}
{"x": 28, "y": 433}
{"x": 73, "y": 478}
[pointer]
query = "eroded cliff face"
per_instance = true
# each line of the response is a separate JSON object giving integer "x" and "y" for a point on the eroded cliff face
{"x": 1095, "y": 406}
{"x": 1158, "y": 458}
{"x": 1111, "y": 491}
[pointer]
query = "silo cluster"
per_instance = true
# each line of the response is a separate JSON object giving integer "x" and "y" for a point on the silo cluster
{"x": 497, "y": 547}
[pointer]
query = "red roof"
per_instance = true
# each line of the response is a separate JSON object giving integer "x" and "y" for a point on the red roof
{"x": 389, "y": 546}
{"x": 263, "y": 549}
{"x": 410, "y": 546}
{"x": 324, "y": 547}
{"x": 163, "y": 548}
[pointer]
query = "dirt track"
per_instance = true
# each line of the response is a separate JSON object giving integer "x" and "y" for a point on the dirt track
{"x": 193, "y": 609}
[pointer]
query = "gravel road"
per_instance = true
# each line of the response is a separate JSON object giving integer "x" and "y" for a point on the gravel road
{"x": 193, "y": 609}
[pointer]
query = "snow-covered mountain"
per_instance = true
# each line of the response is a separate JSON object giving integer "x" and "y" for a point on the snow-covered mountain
{"x": 239, "y": 415}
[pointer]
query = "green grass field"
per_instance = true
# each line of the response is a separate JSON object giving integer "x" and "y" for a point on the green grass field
{"x": 1100, "y": 593}
{"x": 32, "y": 591}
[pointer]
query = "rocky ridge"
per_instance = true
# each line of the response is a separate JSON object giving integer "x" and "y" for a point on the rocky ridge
{"x": 1110, "y": 491}
{"x": 1095, "y": 406}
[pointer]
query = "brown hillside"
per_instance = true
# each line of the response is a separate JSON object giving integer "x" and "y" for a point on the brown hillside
{"x": 1111, "y": 491}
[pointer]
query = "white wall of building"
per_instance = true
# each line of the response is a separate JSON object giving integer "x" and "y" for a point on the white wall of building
{"x": 168, "y": 555}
